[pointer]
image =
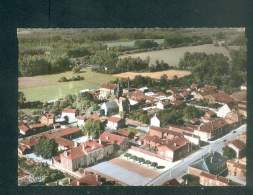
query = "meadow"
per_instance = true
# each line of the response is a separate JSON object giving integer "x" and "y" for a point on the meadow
{"x": 47, "y": 87}
{"x": 172, "y": 56}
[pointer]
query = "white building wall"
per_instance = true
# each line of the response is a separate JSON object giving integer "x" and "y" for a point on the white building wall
{"x": 223, "y": 111}
{"x": 154, "y": 121}
{"x": 71, "y": 116}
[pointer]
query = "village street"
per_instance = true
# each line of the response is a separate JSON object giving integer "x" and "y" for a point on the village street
{"x": 181, "y": 168}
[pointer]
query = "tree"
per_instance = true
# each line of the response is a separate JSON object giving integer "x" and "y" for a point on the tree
{"x": 191, "y": 180}
{"x": 46, "y": 148}
{"x": 148, "y": 162}
{"x": 229, "y": 153}
{"x": 163, "y": 80}
{"x": 76, "y": 69}
{"x": 53, "y": 175}
{"x": 21, "y": 99}
{"x": 78, "y": 52}
{"x": 63, "y": 79}
{"x": 93, "y": 128}
{"x": 40, "y": 171}
{"x": 154, "y": 164}
{"x": 142, "y": 44}
{"x": 127, "y": 155}
{"x": 191, "y": 112}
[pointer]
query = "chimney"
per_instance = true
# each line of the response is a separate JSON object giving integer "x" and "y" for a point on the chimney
{"x": 83, "y": 147}
{"x": 65, "y": 153}
{"x": 97, "y": 177}
{"x": 99, "y": 141}
{"x": 75, "y": 144}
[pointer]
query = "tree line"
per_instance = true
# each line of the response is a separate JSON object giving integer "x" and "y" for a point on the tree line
{"x": 217, "y": 69}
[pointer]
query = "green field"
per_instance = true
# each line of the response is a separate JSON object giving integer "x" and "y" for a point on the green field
{"x": 46, "y": 87}
{"x": 173, "y": 55}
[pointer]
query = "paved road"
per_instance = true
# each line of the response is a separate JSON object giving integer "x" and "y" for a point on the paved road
{"x": 181, "y": 168}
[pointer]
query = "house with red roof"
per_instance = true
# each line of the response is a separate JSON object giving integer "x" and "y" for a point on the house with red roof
{"x": 115, "y": 122}
{"x": 212, "y": 129}
{"x": 26, "y": 146}
{"x": 47, "y": 119}
{"x": 69, "y": 115}
{"x": 106, "y": 90}
{"x": 237, "y": 168}
{"x": 238, "y": 146}
{"x": 169, "y": 145}
{"x": 90, "y": 179}
{"x": 120, "y": 141}
{"x": 83, "y": 155}
{"x": 208, "y": 179}
{"x": 23, "y": 129}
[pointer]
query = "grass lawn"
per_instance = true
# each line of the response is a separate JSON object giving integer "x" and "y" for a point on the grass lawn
{"x": 46, "y": 87}
{"x": 173, "y": 55}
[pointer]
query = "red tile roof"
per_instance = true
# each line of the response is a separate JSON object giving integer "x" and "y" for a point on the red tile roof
{"x": 81, "y": 150}
{"x": 36, "y": 125}
{"x": 94, "y": 116}
{"x": 49, "y": 115}
{"x": 133, "y": 122}
{"x": 64, "y": 142}
{"x": 112, "y": 138}
{"x": 236, "y": 164}
{"x": 222, "y": 97}
{"x": 238, "y": 143}
{"x": 240, "y": 96}
{"x": 167, "y": 144}
{"x": 137, "y": 96}
{"x": 29, "y": 142}
{"x": 168, "y": 131}
{"x": 23, "y": 127}
{"x": 90, "y": 179}
{"x": 123, "y": 132}
{"x": 109, "y": 85}
{"x": 208, "y": 90}
{"x": 62, "y": 132}
{"x": 114, "y": 119}
{"x": 69, "y": 110}
{"x": 212, "y": 125}
{"x": 214, "y": 177}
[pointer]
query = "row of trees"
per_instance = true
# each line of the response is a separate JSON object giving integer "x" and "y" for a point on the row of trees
{"x": 73, "y": 78}
{"x": 178, "y": 40}
{"x": 144, "y": 44}
{"x": 39, "y": 65}
{"x": 143, "y": 161}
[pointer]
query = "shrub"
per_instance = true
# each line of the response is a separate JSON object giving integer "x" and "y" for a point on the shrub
{"x": 76, "y": 69}
{"x": 63, "y": 79}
